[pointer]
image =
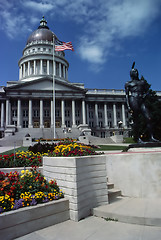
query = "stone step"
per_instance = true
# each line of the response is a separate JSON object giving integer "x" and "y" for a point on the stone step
{"x": 113, "y": 194}
{"x": 138, "y": 211}
{"x": 110, "y": 185}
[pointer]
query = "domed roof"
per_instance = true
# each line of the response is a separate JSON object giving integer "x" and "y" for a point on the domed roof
{"x": 42, "y": 33}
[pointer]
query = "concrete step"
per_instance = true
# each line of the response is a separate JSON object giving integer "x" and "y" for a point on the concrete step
{"x": 139, "y": 211}
{"x": 113, "y": 194}
{"x": 110, "y": 185}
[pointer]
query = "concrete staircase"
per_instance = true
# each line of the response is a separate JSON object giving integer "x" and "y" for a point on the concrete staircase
{"x": 98, "y": 141}
{"x": 113, "y": 193}
{"x": 132, "y": 210}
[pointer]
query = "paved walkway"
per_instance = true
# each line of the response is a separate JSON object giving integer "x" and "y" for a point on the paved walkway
{"x": 94, "y": 228}
{"x": 138, "y": 219}
{"x": 4, "y": 149}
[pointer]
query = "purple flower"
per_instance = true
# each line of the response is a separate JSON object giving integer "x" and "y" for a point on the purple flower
{"x": 45, "y": 200}
{"x": 18, "y": 204}
{"x": 33, "y": 202}
{"x": 1, "y": 210}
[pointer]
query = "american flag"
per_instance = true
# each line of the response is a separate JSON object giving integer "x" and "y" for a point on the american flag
{"x": 61, "y": 46}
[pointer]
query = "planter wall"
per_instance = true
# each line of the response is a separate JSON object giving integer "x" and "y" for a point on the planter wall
{"x": 84, "y": 180}
{"x": 19, "y": 222}
{"x": 136, "y": 174}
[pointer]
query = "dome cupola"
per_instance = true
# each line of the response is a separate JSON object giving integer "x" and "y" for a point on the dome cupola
{"x": 42, "y": 33}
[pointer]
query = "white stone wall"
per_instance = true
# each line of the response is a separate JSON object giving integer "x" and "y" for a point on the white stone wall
{"x": 136, "y": 174}
{"x": 82, "y": 178}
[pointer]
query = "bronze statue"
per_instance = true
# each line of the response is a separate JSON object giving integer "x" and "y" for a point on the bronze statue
{"x": 136, "y": 91}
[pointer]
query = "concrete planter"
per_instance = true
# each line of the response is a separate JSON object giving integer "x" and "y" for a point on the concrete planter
{"x": 84, "y": 180}
{"x": 19, "y": 222}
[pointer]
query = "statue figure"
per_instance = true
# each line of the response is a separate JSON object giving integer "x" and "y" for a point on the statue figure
{"x": 136, "y": 91}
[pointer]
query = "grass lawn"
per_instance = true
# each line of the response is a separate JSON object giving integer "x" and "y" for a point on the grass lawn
{"x": 110, "y": 148}
{"x": 102, "y": 148}
{"x": 16, "y": 150}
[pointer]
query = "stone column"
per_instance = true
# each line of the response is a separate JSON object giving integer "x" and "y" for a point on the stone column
{"x": 19, "y": 114}
{"x": 7, "y": 112}
{"x": 52, "y": 114}
{"x": 63, "y": 71}
{"x": 114, "y": 116}
{"x": 41, "y": 114}
{"x": 9, "y": 115}
{"x": 73, "y": 113}
{"x": 48, "y": 71}
{"x": 87, "y": 107}
{"x": 123, "y": 115}
{"x": 28, "y": 68}
{"x": 60, "y": 70}
{"x": 83, "y": 112}
{"x": 2, "y": 114}
{"x": 34, "y": 67}
{"x": 20, "y": 72}
{"x": 24, "y": 69}
{"x": 105, "y": 116}
{"x": 30, "y": 114}
{"x": 66, "y": 73}
{"x": 96, "y": 114}
{"x": 63, "y": 113}
{"x": 41, "y": 66}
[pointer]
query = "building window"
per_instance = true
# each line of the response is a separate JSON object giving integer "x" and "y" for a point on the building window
{"x": 25, "y": 113}
{"x": 100, "y": 114}
{"x": 67, "y": 113}
{"x": 14, "y": 113}
{"x": 109, "y": 114}
{"x": 90, "y": 114}
{"x": 57, "y": 113}
{"x": 14, "y": 123}
{"x": 77, "y": 122}
{"x": 118, "y": 114}
{"x": 102, "y": 134}
{"x": 110, "y": 124}
{"x": 46, "y": 113}
{"x": 100, "y": 106}
{"x": 36, "y": 113}
{"x": 100, "y": 124}
{"x": 67, "y": 123}
{"x": 91, "y": 124}
{"x": 77, "y": 113}
{"x": 25, "y": 124}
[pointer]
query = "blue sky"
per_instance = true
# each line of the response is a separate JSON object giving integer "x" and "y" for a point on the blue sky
{"x": 107, "y": 35}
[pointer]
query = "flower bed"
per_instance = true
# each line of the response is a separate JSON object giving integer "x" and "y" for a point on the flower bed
{"x": 26, "y": 189}
{"x": 21, "y": 159}
{"x": 33, "y": 157}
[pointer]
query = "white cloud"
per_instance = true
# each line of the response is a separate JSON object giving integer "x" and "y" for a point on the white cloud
{"x": 114, "y": 21}
{"x": 13, "y": 25}
{"x": 104, "y": 23}
{"x": 42, "y": 7}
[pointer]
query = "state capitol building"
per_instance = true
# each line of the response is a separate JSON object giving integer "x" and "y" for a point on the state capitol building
{"x": 27, "y": 104}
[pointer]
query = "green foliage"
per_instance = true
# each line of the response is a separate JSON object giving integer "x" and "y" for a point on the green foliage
{"x": 42, "y": 147}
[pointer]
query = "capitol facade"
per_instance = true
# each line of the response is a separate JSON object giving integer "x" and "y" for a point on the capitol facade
{"x": 27, "y": 104}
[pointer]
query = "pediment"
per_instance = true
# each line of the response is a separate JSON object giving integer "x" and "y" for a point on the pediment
{"x": 45, "y": 85}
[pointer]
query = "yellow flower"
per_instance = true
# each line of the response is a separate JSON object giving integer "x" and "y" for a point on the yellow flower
{"x": 22, "y": 171}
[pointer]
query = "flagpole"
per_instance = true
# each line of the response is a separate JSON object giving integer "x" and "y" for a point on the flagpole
{"x": 53, "y": 88}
